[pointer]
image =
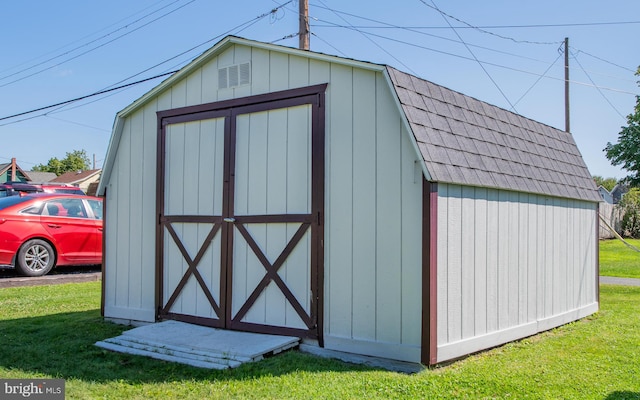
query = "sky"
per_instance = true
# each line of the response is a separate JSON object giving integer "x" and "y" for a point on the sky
{"x": 507, "y": 53}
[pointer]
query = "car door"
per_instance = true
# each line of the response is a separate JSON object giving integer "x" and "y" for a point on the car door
{"x": 75, "y": 235}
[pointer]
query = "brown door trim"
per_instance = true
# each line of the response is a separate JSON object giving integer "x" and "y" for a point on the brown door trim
{"x": 429, "y": 342}
{"x": 229, "y": 110}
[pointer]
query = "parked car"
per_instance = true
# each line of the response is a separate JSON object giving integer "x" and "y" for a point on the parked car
{"x": 40, "y": 231}
{"x": 13, "y": 188}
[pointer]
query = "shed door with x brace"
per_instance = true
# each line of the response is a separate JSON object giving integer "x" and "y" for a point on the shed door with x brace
{"x": 240, "y": 207}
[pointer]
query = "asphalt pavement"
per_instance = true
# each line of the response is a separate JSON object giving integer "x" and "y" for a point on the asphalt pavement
{"x": 612, "y": 280}
{"x": 9, "y": 278}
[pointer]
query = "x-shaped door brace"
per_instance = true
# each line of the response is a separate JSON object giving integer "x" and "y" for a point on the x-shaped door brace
{"x": 193, "y": 267}
{"x": 272, "y": 274}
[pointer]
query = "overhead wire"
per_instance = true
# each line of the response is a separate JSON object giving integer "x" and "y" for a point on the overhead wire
{"x": 444, "y": 15}
{"x": 508, "y": 26}
{"x": 328, "y": 44}
{"x": 480, "y": 29}
{"x": 414, "y": 29}
{"x": 85, "y": 96}
{"x": 603, "y": 60}
{"x": 109, "y": 89}
{"x": 492, "y": 63}
{"x": 597, "y": 88}
{"x": 236, "y": 29}
{"x": 80, "y": 39}
{"x": 96, "y": 47}
{"x": 84, "y": 44}
{"x": 544, "y": 74}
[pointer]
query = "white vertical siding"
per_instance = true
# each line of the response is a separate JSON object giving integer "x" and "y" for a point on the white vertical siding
{"x": 373, "y": 220}
{"x": 510, "y": 265}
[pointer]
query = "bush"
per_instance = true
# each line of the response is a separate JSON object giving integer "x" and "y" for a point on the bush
{"x": 630, "y": 205}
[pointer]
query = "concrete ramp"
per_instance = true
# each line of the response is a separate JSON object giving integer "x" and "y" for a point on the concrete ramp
{"x": 198, "y": 346}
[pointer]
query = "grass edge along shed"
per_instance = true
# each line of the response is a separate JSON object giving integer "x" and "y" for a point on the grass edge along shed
{"x": 270, "y": 189}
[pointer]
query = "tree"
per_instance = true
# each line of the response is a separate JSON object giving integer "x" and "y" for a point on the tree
{"x": 630, "y": 205}
{"x": 607, "y": 183}
{"x": 627, "y": 151}
{"x": 77, "y": 160}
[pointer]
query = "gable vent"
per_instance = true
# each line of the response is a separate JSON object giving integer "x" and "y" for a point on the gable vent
{"x": 234, "y": 76}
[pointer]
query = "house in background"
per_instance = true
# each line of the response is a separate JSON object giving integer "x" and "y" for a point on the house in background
{"x": 82, "y": 179}
{"x": 41, "y": 177}
{"x": 605, "y": 194}
{"x": 12, "y": 172}
{"x": 618, "y": 192}
{"x": 361, "y": 208}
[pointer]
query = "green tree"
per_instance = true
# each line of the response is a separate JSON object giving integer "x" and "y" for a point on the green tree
{"x": 607, "y": 183}
{"x": 76, "y": 160}
{"x": 626, "y": 151}
{"x": 630, "y": 205}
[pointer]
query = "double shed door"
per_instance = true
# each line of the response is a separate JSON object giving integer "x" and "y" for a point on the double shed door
{"x": 240, "y": 207}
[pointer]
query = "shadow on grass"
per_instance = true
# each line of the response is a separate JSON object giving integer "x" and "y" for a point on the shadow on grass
{"x": 624, "y": 395}
{"x": 62, "y": 346}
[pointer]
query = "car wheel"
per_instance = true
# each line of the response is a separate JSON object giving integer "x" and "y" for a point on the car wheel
{"x": 35, "y": 258}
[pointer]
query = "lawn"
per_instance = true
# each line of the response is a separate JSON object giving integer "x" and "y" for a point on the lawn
{"x": 616, "y": 259}
{"x": 49, "y": 331}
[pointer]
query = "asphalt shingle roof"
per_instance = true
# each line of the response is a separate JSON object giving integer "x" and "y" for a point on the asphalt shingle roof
{"x": 469, "y": 142}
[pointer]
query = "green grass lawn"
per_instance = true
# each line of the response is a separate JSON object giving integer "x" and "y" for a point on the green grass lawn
{"x": 49, "y": 331}
{"x": 616, "y": 259}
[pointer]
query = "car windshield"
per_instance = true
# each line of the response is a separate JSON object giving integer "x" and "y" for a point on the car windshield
{"x": 11, "y": 201}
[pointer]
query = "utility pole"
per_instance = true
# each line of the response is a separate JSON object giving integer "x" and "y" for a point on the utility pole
{"x": 566, "y": 86}
{"x": 303, "y": 33}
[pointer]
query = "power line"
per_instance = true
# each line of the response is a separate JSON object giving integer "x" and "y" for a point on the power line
{"x": 243, "y": 26}
{"x": 95, "y": 48}
{"x": 474, "y": 56}
{"x": 415, "y": 29}
{"x": 599, "y": 91}
{"x": 375, "y": 44}
{"x": 492, "y": 64}
{"x": 86, "y": 96}
{"x": 538, "y": 80}
{"x": 78, "y": 40}
{"x": 328, "y": 44}
{"x": 603, "y": 60}
{"x": 506, "y": 26}
{"x": 82, "y": 45}
{"x": 455, "y": 27}
{"x": 77, "y": 123}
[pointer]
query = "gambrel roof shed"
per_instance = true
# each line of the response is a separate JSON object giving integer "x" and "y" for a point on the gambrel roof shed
{"x": 361, "y": 208}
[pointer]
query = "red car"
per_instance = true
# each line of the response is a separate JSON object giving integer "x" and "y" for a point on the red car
{"x": 40, "y": 231}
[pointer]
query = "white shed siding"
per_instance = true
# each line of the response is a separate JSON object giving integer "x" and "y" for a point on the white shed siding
{"x": 373, "y": 221}
{"x": 130, "y": 222}
{"x": 510, "y": 265}
{"x": 373, "y": 201}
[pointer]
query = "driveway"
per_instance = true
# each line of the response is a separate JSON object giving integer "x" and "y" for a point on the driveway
{"x": 612, "y": 280}
{"x": 9, "y": 278}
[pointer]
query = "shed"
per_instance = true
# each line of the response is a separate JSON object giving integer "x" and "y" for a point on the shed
{"x": 368, "y": 211}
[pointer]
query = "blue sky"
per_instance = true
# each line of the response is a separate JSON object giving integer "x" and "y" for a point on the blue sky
{"x": 57, "y": 51}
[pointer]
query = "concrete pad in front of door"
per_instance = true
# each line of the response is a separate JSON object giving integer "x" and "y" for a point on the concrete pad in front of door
{"x": 198, "y": 345}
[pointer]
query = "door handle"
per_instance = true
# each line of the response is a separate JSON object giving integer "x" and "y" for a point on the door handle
{"x": 53, "y": 226}
{"x": 230, "y": 220}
